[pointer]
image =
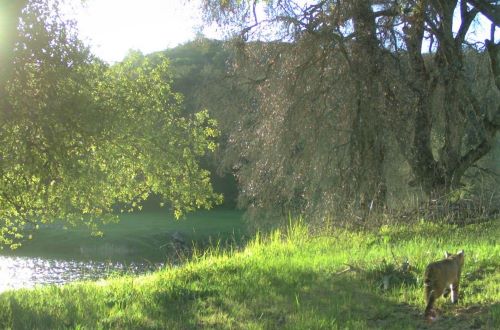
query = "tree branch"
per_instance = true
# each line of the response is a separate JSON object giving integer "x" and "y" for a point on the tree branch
{"x": 494, "y": 53}
{"x": 389, "y": 12}
{"x": 467, "y": 19}
{"x": 488, "y": 9}
{"x": 490, "y": 128}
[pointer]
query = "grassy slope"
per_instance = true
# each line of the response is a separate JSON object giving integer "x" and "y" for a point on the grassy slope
{"x": 137, "y": 237}
{"x": 292, "y": 281}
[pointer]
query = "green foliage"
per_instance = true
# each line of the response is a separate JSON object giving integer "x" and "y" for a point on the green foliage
{"x": 288, "y": 280}
{"x": 200, "y": 72}
{"x": 77, "y": 137}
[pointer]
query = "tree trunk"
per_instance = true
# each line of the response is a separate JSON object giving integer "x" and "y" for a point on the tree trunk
{"x": 438, "y": 176}
{"x": 367, "y": 142}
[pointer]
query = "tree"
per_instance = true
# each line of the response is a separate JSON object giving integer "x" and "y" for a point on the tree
{"x": 79, "y": 138}
{"x": 347, "y": 80}
{"x": 9, "y": 13}
{"x": 200, "y": 73}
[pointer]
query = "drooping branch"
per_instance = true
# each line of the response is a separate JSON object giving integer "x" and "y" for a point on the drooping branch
{"x": 488, "y": 9}
{"x": 489, "y": 128}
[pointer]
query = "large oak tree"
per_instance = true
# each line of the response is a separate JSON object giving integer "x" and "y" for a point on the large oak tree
{"x": 79, "y": 138}
{"x": 343, "y": 82}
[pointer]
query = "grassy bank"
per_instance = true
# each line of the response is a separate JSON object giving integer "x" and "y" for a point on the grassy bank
{"x": 285, "y": 281}
{"x": 141, "y": 236}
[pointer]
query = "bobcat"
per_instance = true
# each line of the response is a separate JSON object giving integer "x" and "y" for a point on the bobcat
{"x": 440, "y": 278}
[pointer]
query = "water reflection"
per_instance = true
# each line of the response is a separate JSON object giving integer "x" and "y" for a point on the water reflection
{"x": 25, "y": 272}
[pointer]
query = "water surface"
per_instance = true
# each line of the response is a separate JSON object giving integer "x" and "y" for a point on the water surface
{"x": 27, "y": 272}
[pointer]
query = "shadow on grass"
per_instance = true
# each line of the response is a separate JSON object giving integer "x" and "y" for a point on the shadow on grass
{"x": 296, "y": 300}
{"x": 232, "y": 296}
{"x": 482, "y": 270}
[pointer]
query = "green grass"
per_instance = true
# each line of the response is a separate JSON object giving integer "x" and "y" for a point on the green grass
{"x": 287, "y": 280}
{"x": 141, "y": 236}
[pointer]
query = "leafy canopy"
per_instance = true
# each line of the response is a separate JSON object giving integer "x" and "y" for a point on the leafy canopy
{"x": 78, "y": 138}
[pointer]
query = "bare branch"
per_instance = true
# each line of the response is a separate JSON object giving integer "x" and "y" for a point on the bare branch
{"x": 488, "y": 9}
{"x": 467, "y": 19}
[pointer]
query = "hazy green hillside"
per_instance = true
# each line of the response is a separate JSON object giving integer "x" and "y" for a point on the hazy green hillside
{"x": 200, "y": 71}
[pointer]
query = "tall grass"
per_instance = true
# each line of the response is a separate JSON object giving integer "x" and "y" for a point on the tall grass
{"x": 288, "y": 279}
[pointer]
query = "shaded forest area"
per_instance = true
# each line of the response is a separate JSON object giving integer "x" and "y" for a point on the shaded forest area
{"x": 297, "y": 161}
{"x": 352, "y": 94}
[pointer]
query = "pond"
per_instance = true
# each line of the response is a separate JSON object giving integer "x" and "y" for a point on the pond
{"x": 141, "y": 242}
{"x": 27, "y": 272}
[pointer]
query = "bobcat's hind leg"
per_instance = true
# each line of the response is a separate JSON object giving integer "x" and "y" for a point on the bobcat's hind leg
{"x": 430, "y": 298}
{"x": 454, "y": 292}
